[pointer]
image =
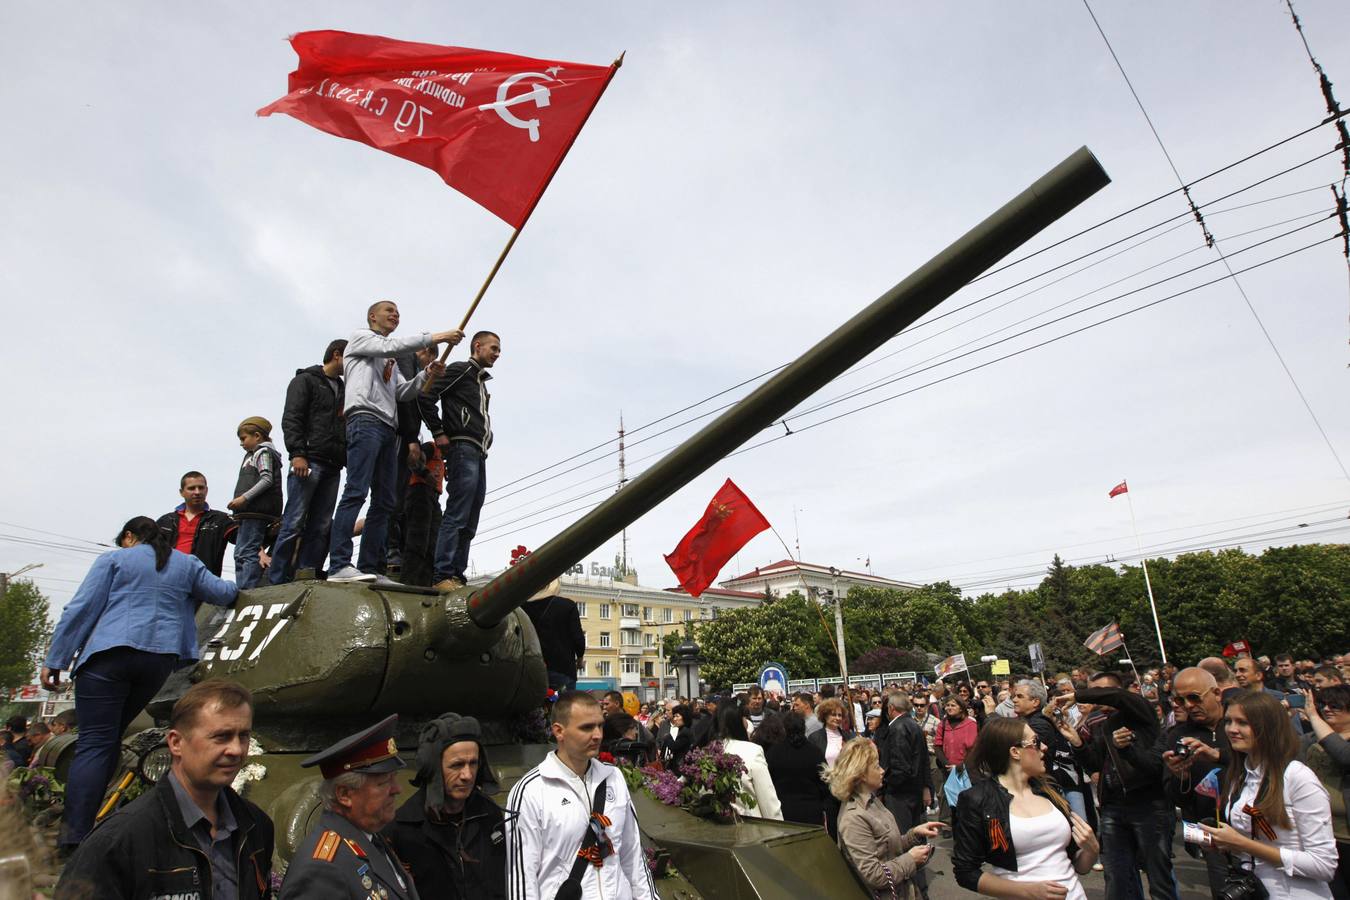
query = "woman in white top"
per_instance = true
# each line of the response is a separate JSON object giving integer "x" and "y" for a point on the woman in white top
{"x": 1275, "y": 811}
{"x": 730, "y": 730}
{"x": 1014, "y": 820}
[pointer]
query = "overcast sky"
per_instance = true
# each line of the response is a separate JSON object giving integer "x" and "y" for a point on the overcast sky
{"x": 754, "y": 175}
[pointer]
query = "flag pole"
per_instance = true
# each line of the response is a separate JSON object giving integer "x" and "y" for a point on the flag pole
{"x": 1137, "y": 680}
{"x": 1148, "y": 584}
{"x": 445, "y": 354}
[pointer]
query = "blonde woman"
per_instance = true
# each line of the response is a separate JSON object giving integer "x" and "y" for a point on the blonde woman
{"x": 885, "y": 857}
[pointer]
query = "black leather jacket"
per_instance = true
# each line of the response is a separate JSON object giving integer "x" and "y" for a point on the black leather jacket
{"x": 982, "y": 833}
{"x": 1129, "y": 775}
{"x": 312, "y": 421}
{"x": 903, "y": 753}
{"x": 460, "y": 859}
{"x": 462, "y": 411}
{"x": 215, "y": 530}
{"x": 144, "y": 851}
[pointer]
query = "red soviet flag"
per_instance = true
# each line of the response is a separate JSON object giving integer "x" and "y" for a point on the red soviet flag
{"x": 730, "y": 521}
{"x": 494, "y": 126}
{"x": 1119, "y": 489}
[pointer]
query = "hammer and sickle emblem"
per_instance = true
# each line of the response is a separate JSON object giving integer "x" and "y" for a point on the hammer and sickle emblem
{"x": 538, "y": 94}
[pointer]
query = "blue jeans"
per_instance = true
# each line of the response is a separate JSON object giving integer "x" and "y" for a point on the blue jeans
{"x": 111, "y": 689}
{"x": 247, "y": 542}
{"x": 1136, "y": 836}
{"x": 308, "y": 518}
{"x": 372, "y": 463}
{"x": 465, "y": 486}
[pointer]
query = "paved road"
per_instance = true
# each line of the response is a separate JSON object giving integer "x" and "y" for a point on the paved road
{"x": 1190, "y": 876}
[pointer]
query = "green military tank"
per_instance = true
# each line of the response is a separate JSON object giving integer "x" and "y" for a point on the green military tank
{"x": 323, "y": 660}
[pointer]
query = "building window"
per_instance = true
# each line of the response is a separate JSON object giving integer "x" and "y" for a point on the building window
{"x": 602, "y": 668}
{"x": 630, "y": 666}
{"x": 649, "y": 640}
{"x": 703, "y": 612}
{"x": 604, "y": 639}
{"x": 628, "y": 637}
{"x": 581, "y": 609}
{"x": 649, "y": 669}
{"x": 689, "y": 615}
{"x": 629, "y": 611}
{"x": 646, "y": 613}
{"x": 667, "y": 615}
{"x": 712, "y": 613}
{"x": 604, "y": 610}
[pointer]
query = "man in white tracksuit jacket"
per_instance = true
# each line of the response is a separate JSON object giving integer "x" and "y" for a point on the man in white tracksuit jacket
{"x": 549, "y": 809}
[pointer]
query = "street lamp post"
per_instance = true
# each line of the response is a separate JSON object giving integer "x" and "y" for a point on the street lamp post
{"x": 687, "y": 660}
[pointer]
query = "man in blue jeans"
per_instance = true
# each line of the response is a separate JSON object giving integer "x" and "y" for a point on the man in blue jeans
{"x": 1135, "y": 815}
{"x": 315, "y": 439}
{"x": 374, "y": 386}
{"x": 462, "y": 428}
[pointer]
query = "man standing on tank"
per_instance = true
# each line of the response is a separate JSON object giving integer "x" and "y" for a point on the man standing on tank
{"x": 462, "y": 428}
{"x": 195, "y": 528}
{"x": 312, "y": 426}
{"x": 374, "y": 386}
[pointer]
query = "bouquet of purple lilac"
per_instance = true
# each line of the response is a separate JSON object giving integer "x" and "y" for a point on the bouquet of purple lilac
{"x": 708, "y": 782}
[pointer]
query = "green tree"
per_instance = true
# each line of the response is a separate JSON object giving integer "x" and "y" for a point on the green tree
{"x": 739, "y": 641}
{"x": 25, "y": 631}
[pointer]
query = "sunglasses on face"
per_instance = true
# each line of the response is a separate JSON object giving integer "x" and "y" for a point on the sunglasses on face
{"x": 1192, "y": 698}
{"x": 1033, "y": 744}
{"x": 1332, "y": 708}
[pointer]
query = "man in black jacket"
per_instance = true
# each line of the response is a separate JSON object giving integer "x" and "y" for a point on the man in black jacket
{"x": 462, "y": 428}
{"x": 450, "y": 835}
{"x": 1191, "y": 750}
{"x": 903, "y": 755}
{"x": 191, "y": 835}
{"x": 561, "y": 638}
{"x": 1135, "y": 816}
{"x": 195, "y": 528}
{"x": 317, "y": 444}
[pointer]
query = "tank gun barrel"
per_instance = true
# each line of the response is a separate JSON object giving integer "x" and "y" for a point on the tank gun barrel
{"x": 1050, "y": 197}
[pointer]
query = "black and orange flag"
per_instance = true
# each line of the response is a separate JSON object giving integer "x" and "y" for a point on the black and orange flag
{"x": 1107, "y": 639}
{"x": 728, "y": 524}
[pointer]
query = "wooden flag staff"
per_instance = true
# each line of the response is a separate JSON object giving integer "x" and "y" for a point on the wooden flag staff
{"x": 445, "y": 354}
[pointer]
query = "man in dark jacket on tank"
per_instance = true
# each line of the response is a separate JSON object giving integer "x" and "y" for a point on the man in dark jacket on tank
{"x": 315, "y": 439}
{"x": 450, "y": 835}
{"x": 561, "y": 638}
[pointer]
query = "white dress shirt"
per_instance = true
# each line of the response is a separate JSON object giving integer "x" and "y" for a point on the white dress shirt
{"x": 1307, "y": 849}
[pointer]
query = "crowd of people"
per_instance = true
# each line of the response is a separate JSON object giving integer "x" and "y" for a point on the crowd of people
{"x": 1042, "y": 780}
{"x": 404, "y": 427}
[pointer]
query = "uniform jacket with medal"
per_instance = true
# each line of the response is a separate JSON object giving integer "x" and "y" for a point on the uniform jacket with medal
{"x": 338, "y": 860}
{"x": 144, "y": 852}
{"x": 547, "y": 814}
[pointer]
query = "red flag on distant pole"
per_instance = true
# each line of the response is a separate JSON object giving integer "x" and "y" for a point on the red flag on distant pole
{"x": 1119, "y": 489}
{"x": 728, "y": 524}
{"x": 494, "y": 126}
{"x": 1238, "y": 648}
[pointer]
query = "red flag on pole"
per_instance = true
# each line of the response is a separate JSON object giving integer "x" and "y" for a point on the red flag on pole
{"x": 1121, "y": 488}
{"x": 1107, "y": 639}
{"x": 1238, "y": 648}
{"x": 729, "y": 522}
{"x": 494, "y": 126}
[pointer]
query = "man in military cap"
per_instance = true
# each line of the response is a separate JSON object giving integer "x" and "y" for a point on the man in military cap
{"x": 344, "y": 856}
{"x": 450, "y": 833}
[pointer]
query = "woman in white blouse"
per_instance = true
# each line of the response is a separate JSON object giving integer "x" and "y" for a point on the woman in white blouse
{"x": 730, "y": 730}
{"x": 1276, "y": 814}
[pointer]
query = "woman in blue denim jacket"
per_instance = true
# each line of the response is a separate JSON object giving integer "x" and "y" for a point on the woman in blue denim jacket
{"x": 129, "y": 625}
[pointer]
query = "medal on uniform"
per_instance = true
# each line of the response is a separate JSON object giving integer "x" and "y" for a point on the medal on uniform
{"x": 384, "y": 892}
{"x": 366, "y": 882}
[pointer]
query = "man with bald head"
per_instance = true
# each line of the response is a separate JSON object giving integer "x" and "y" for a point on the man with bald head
{"x": 1191, "y": 750}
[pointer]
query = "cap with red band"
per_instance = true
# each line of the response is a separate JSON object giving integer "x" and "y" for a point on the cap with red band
{"x": 370, "y": 752}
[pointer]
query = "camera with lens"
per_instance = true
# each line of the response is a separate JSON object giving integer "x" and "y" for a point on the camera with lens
{"x": 1182, "y": 749}
{"x": 1240, "y": 883}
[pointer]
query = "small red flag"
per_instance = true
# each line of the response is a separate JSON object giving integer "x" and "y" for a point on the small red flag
{"x": 1121, "y": 488}
{"x": 1238, "y": 648}
{"x": 728, "y": 524}
{"x": 494, "y": 126}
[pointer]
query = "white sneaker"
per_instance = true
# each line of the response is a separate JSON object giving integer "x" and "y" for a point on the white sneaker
{"x": 385, "y": 581}
{"x": 350, "y": 573}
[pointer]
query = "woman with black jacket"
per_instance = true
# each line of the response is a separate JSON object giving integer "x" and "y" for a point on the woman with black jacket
{"x": 794, "y": 766}
{"x": 1014, "y": 820}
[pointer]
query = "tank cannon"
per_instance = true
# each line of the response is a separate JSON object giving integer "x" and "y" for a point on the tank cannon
{"x": 324, "y": 659}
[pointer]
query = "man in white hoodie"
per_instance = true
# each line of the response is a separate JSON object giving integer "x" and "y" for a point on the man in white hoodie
{"x": 551, "y": 808}
{"x": 374, "y": 386}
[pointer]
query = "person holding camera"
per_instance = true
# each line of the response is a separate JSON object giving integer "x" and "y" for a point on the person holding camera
{"x": 1326, "y": 750}
{"x": 1191, "y": 750}
{"x": 1275, "y": 814}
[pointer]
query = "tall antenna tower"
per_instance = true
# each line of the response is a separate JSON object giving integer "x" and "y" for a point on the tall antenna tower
{"x": 623, "y": 479}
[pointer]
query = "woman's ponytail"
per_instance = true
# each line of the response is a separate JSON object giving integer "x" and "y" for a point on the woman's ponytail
{"x": 144, "y": 529}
